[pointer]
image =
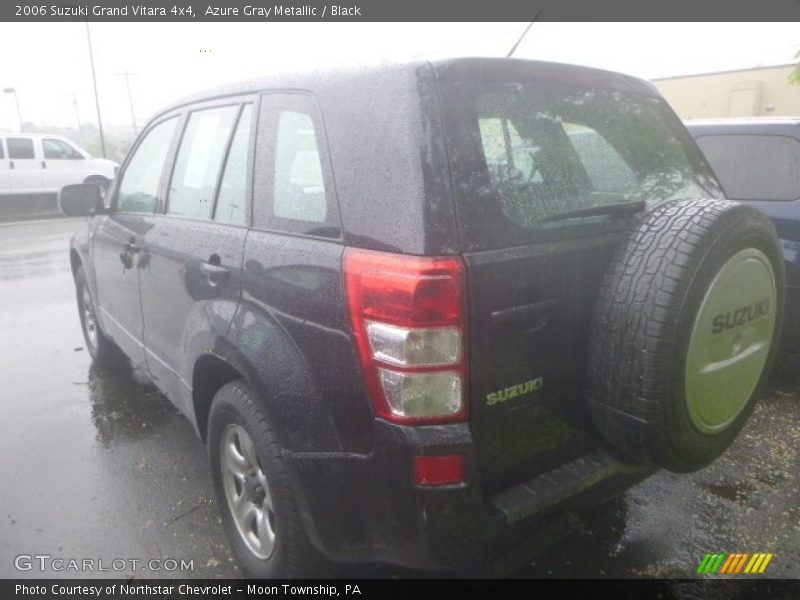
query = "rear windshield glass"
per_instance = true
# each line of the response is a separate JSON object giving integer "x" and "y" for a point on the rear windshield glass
{"x": 755, "y": 167}
{"x": 522, "y": 158}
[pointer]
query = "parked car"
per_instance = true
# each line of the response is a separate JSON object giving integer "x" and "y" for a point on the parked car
{"x": 415, "y": 318}
{"x": 757, "y": 161}
{"x": 41, "y": 163}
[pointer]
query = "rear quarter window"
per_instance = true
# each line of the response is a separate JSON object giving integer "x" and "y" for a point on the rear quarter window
{"x": 755, "y": 167}
{"x": 299, "y": 190}
{"x": 293, "y": 174}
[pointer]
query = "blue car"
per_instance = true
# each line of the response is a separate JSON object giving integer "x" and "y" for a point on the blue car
{"x": 757, "y": 161}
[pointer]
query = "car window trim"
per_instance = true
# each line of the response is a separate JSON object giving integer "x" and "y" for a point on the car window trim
{"x": 195, "y": 219}
{"x": 224, "y": 166}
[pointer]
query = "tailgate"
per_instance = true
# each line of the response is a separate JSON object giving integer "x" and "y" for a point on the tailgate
{"x": 549, "y": 166}
{"x": 530, "y": 313}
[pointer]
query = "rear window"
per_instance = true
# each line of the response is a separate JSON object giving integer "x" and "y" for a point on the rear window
{"x": 755, "y": 167}
{"x": 522, "y": 155}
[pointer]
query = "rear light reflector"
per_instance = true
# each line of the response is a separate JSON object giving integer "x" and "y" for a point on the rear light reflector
{"x": 438, "y": 470}
{"x": 407, "y": 315}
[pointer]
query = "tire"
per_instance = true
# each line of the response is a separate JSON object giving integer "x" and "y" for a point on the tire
{"x": 685, "y": 332}
{"x": 236, "y": 417}
{"x": 104, "y": 352}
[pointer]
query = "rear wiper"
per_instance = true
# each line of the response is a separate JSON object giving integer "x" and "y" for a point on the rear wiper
{"x": 618, "y": 208}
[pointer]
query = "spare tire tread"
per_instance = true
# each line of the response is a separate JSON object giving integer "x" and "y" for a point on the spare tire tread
{"x": 640, "y": 272}
{"x": 632, "y": 348}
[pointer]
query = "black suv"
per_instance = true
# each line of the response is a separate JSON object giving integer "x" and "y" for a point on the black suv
{"x": 418, "y": 312}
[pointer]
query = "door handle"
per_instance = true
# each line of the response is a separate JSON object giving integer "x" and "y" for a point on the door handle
{"x": 11, "y": 164}
{"x": 213, "y": 270}
{"x": 131, "y": 247}
{"x": 126, "y": 256}
{"x": 216, "y": 271}
{"x": 126, "y": 259}
{"x": 533, "y": 317}
{"x": 44, "y": 165}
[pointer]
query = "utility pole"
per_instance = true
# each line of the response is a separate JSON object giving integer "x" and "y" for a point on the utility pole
{"x": 96, "y": 95}
{"x": 11, "y": 90}
{"x": 127, "y": 77}
{"x": 75, "y": 107}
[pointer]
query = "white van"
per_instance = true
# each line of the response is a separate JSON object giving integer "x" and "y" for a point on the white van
{"x": 40, "y": 163}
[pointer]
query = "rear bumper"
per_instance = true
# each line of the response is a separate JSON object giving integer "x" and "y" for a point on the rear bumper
{"x": 366, "y": 508}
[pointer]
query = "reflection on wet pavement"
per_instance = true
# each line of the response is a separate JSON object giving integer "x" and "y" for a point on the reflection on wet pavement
{"x": 97, "y": 464}
{"x": 746, "y": 501}
{"x": 126, "y": 406}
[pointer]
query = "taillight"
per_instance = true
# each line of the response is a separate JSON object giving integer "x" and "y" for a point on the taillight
{"x": 407, "y": 315}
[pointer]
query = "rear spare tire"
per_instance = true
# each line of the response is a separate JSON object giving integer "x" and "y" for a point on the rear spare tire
{"x": 685, "y": 331}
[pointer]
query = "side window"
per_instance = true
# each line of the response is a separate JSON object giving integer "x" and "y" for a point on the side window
{"x": 299, "y": 192}
{"x": 755, "y": 167}
{"x": 197, "y": 167}
{"x": 59, "y": 150}
{"x": 233, "y": 197}
{"x": 294, "y": 189}
{"x": 138, "y": 188}
{"x": 20, "y": 148}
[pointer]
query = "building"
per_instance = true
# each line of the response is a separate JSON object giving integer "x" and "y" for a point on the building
{"x": 761, "y": 91}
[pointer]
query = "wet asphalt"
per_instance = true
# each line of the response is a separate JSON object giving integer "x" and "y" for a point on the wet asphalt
{"x": 98, "y": 465}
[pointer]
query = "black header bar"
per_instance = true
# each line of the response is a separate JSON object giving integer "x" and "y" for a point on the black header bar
{"x": 401, "y": 10}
